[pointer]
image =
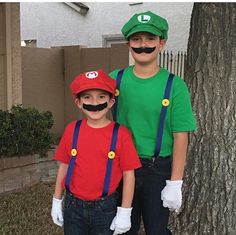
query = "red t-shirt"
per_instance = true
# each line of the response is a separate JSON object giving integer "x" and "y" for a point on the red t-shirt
{"x": 93, "y": 145}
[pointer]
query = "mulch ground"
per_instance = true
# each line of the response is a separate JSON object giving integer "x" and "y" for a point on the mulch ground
{"x": 28, "y": 212}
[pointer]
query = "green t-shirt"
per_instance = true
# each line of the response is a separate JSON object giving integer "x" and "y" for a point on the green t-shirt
{"x": 139, "y": 107}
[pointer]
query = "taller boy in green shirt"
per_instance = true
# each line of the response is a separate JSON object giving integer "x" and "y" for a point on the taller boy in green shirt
{"x": 156, "y": 107}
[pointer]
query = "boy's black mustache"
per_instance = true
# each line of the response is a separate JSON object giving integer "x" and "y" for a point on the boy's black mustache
{"x": 147, "y": 50}
{"x": 95, "y": 108}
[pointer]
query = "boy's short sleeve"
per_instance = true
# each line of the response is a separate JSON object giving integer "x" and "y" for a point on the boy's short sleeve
{"x": 182, "y": 118}
{"x": 129, "y": 159}
{"x": 114, "y": 73}
{"x": 62, "y": 153}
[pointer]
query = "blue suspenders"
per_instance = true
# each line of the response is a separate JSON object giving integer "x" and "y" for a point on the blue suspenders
{"x": 165, "y": 104}
{"x": 118, "y": 80}
{"x": 73, "y": 155}
{"x": 111, "y": 155}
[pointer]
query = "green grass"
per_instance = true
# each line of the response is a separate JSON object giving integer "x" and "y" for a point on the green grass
{"x": 28, "y": 212}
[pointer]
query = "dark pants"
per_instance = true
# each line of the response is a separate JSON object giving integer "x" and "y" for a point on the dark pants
{"x": 89, "y": 217}
{"x": 149, "y": 182}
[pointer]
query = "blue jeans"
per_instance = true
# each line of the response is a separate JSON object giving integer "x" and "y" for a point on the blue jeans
{"x": 149, "y": 182}
{"x": 89, "y": 217}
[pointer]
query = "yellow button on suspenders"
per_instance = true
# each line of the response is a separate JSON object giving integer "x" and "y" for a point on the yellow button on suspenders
{"x": 73, "y": 152}
{"x": 111, "y": 154}
{"x": 165, "y": 102}
{"x": 117, "y": 92}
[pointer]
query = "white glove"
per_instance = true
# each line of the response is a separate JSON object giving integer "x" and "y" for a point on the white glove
{"x": 56, "y": 211}
{"x": 121, "y": 222}
{"x": 171, "y": 195}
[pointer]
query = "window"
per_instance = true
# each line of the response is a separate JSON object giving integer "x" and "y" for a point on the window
{"x": 109, "y": 39}
{"x": 29, "y": 43}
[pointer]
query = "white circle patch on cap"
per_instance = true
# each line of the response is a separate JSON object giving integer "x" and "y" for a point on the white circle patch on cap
{"x": 91, "y": 75}
{"x": 144, "y": 18}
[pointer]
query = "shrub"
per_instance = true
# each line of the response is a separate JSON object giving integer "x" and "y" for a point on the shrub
{"x": 25, "y": 131}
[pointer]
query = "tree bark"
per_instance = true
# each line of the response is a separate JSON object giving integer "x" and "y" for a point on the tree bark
{"x": 209, "y": 200}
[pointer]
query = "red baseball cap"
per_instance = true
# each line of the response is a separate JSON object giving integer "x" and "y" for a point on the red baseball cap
{"x": 93, "y": 80}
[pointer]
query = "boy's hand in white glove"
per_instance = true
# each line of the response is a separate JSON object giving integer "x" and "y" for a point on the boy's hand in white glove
{"x": 56, "y": 211}
{"x": 122, "y": 221}
{"x": 171, "y": 195}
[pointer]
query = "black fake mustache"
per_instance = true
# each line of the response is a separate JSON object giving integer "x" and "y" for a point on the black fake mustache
{"x": 94, "y": 108}
{"x": 140, "y": 50}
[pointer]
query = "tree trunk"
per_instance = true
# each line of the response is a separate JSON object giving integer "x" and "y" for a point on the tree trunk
{"x": 209, "y": 201}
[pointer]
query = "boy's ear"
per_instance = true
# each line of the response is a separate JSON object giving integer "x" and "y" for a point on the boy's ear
{"x": 111, "y": 102}
{"x": 78, "y": 103}
{"x": 162, "y": 43}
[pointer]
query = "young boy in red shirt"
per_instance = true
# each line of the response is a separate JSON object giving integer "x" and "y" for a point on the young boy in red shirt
{"x": 94, "y": 154}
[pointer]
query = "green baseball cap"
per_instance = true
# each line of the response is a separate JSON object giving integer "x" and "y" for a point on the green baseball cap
{"x": 146, "y": 22}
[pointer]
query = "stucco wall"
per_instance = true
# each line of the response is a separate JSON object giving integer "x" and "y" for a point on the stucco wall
{"x": 56, "y": 24}
{"x": 43, "y": 82}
